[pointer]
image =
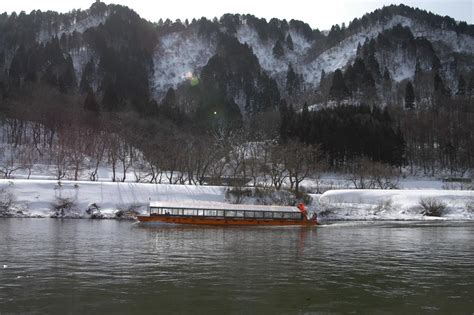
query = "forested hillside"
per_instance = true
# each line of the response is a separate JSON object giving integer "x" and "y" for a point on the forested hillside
{"x": 237, "y": 95}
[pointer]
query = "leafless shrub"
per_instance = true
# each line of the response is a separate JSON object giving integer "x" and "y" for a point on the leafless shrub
{"x": 128, "y": 212}
{"x": 237, "y": 194}
{"x": 457, "y": 186}
{"x": 470, "y": 205}
{"x": 365, "y": 174}
{"x": 63, "y": 207}
{"x": 432, "y": 207}
{"x": 94, "y": 211}
{"x": 269, "y": 196}
{"x": 383, "y": 205}
{"x": 7, "y": 201}
{"x": 9, "y": 159}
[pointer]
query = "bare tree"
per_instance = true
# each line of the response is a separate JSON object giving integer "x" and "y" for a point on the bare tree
{"x": 9, "y": 161}
{"x": 300, "y": 161}
{"x": 29, "y": 158}
{"x": 97, "y": 151}
{"x": 60, "y": 158}
{"x": 125, "y": 157}
{"x": 255, "y": 162}
{"x": 277, "y": 169}
{"x": 113, "y": 151}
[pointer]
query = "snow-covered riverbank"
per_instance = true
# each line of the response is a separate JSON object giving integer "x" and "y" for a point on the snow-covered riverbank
{"x": 373, "y": 204}
{"x": 40, "y": 198}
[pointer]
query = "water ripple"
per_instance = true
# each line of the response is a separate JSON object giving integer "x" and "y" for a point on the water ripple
{"x": 75, "y": 265}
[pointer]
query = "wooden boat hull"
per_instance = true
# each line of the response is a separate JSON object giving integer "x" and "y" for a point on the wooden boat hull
{"x": 224, "y": 221}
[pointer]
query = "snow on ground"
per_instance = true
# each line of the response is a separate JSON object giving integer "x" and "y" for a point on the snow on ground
{"x": 37, "y": 197}
{"x": 351, "y": 204}
{"x": 331, "y": 181}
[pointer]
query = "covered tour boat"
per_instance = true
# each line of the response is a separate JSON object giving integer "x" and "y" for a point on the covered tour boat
{"x": 227, "y": 214}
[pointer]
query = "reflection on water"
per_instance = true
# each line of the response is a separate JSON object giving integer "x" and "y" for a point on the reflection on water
{"x": 110, "y": 266}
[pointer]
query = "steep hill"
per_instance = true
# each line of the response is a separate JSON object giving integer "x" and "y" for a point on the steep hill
{"x": 126, "y": 61}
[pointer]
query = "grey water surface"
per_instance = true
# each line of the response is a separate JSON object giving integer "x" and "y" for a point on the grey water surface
{"x": 87, "y": 266}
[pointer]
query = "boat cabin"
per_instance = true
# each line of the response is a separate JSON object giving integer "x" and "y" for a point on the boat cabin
{"x": 225, "y": 211}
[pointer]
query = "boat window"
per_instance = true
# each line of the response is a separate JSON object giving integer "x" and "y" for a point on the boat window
{"x": 230, "y": 213}
{"x": 288, "y": 215}
{"x": 220, "y": 213}
{"x": 200, "y": 212}
{"x": 277, "y": 215}
{"x": 259, "y": 214}
{"x": 249, "y": 214}
{"x": 268, "y": 214}
{"x": 187, "y": 212}
{"x": 239, "y": 214}
{"x": 174, "y": 211}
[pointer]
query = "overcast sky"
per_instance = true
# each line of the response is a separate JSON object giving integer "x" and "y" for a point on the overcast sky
{"x": 319, "y": 14}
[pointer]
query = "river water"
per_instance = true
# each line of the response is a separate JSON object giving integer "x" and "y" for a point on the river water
{"x": 87, "y": 266}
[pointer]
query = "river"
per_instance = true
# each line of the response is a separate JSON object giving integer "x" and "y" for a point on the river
{"x": 88, "y": 266}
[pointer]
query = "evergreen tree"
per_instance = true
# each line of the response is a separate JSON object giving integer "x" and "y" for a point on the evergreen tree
{"x": 67, "y": 80}
{"x": 289, "y": 42}
{"x": 386, "y": 84}
{"x": 386, "y": 76}
{"x": 2, "y": 59}
{"x": 322, "y": 79}
{"x": 359, "y": 50}
{"x": 418, "y": 72}
{"x": 470, "y": 86}
{"x": 373, "y": 66}
{"x": 461, "y": 86}
{"x": 304, "y": 124}
{"x": 439, "y": 86}
{"x": 278, "y": 50}
{"x": 292, "y": 81}
{"x": 287, "y": 122}
{"x": 110, "y": 100}
{"x": 87, "y": 77}
{"x": 169, "y": 107}
{"x": 409, "y": 96}
{"x": 90, "y": 102}
{"x": 338, "y": 90}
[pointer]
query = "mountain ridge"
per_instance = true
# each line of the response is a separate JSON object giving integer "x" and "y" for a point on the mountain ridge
{"x": 170, "y": 54}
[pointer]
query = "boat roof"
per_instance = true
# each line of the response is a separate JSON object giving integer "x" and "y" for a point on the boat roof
{"x": 202, "y": 205}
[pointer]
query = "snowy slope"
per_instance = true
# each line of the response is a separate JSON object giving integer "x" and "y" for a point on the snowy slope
{"x": 399, "y": 67}
{"x": 80, "y": 57}
{"x": 80, "y": 26}
{"x": 264, "y": 50}
{"x": 180, "y": 56}
{"x": 35, "y": 197}
{"x": 394, "y": 204}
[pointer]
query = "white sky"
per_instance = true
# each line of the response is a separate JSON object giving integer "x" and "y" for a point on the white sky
{"x": 317, "y": 13}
